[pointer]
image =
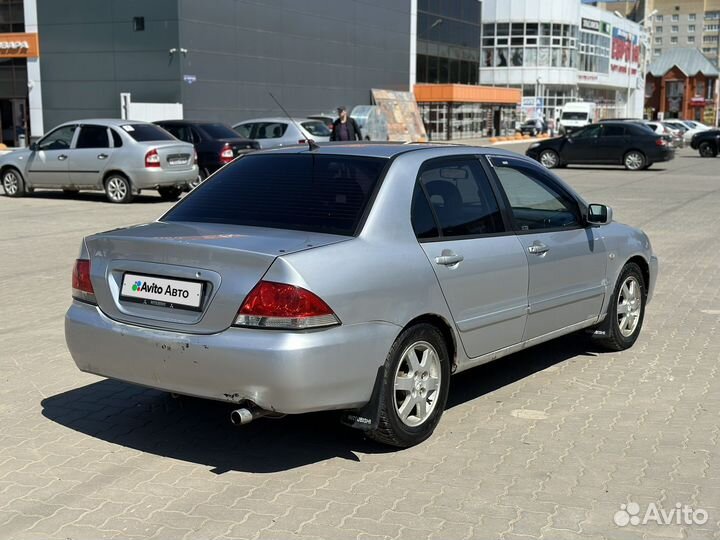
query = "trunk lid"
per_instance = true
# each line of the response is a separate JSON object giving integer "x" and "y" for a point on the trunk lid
{"x": 227, "y": 261}
{"x": 174, "y": 156}
{"x": 240, "y": 145}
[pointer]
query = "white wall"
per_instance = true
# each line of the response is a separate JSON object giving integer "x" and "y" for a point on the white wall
{"x": 37, "y": 127}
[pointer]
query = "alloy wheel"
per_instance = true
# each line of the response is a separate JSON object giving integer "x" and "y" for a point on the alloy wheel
{"x": 116, "y": 189}
{"x": 549, "y": 159}
{"x": 11, "y": 183}
{"x": 634, "y": 161}
{"x": 417, "y": 383}
{"x": 629, "y": 306}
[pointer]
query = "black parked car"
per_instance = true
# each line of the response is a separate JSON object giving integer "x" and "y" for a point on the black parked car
{"x": 608, "y": 143}
{"x": 215, "y": 143}
{"x": 706, "y": 142}
{"x": 529, "y": 128}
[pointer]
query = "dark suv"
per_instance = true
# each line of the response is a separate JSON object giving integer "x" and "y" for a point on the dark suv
{"x": 215, "y": 143}
{"x": 706, "y": 142}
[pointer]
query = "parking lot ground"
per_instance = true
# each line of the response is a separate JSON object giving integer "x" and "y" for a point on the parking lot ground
{"x": 548, "y": 443}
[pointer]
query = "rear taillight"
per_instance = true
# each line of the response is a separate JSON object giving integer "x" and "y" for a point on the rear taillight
{"x": 302, "y": 141}
{"x": 194, "y": 157}
{"x": 152, "y": 159}
{"x": 82, "y": 288}
{"x": 226, "y": 154}
{"x": 283, "y": 306}
{"x": 660, "y": 142}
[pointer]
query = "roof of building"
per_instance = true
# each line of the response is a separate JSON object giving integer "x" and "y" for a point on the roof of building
{"x": 689, "y": 61}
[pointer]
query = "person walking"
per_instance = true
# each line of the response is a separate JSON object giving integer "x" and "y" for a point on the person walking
{"x": 345, "y": 128}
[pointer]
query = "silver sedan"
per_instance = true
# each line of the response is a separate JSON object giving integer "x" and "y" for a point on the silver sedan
{"x": 355, "y": 278}
{"x": 120, "y": 157}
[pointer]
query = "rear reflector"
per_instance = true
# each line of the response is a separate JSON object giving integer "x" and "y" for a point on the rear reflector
{"x": 82, "y": 288}
{"x": 283, "y": 306}
{"x": 152, "y": 159}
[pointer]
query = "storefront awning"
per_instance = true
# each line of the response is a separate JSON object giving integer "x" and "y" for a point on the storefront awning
{"x": 467, "y": 93}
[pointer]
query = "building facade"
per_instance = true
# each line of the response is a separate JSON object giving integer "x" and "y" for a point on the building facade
{"x": 683, "y": 83}
{"x": 558, "y": 51}
{"x": 220, "y": 61}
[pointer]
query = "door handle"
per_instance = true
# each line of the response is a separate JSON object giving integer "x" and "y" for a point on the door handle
{"x": 102, "y": 156}
{"x": 538, "y": 248}
{"x": 448, "y": 258}
{"x": 62, "y": 157}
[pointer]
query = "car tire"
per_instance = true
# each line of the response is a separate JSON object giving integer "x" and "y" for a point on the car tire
{"x": 626, "y": 311}
{"x": 415, "y": 387}
{"x": 707, "y": 149}
{"x": 13, "y": 183}
{"x": 634, "y": 160}
{"x": 118, "y": 189}
{"x": 549, "y": 159}
{"x": 169, "y": 193}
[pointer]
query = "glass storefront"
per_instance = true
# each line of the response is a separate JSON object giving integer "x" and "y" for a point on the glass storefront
{"x": 453, "y": 121}
{"x": 529, "y": 45}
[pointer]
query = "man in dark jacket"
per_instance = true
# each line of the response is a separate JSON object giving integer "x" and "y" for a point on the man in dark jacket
{"x": 345, "y": 128}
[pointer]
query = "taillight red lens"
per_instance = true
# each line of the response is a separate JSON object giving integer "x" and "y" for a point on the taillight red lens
{"x": 194, "y": 157}
{"x": 661, "y": 142}
{"x": 279, "y": 305}
{"x": 82, "y": 288}
{"x": 152, "y": 159}
{"x": 302, "y": 141}
{"x": 226, "y": 154}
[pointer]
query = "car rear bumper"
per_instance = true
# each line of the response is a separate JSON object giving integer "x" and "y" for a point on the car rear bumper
{"x": 664, "y": 154}
{"x": 154, "y": 178}
{"x": 287, "y": 372}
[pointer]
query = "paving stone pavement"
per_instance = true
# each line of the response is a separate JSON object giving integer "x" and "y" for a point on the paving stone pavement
{"x": 543, "y": 444}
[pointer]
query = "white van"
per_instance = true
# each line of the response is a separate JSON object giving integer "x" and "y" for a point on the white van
{"x": 576, "y": 116}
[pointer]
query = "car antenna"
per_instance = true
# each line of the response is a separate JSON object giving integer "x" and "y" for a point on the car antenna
{"x": 312, "y": 144}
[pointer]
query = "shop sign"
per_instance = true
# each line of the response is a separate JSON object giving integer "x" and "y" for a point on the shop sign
{"x": 595, "y": 26}
{"x": 697, "y": 102}
{"x": 19, "y": 45}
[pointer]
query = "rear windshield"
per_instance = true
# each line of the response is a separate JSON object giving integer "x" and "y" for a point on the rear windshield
{"x": 219, "y": 131}
{"x": 574, "y": 116}
{"x": 305, "y": 192}
{"x": 317, "y": 128}
{"x": 147, "y": 132}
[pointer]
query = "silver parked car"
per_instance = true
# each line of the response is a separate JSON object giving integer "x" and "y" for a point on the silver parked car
{"x": 120, "y": 157}
{"x": 355, "y": 278}
{"x": 274, "y": 132}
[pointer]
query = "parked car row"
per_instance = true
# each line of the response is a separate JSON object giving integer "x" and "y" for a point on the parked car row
{"x": 123, "y": 158}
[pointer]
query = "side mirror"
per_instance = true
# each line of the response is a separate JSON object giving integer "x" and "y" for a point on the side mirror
{"x": 33, "y": 147}
{"x": 599, "y": 214}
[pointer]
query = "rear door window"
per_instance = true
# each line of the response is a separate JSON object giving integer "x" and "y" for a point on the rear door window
{"x": 314, "y": 193}
{"x": 270, "y": 130}
{"x": 147, "y": 132}
{"x": 93, "y": 137}
{"x": 180, "y": 132}
{"x": 218, "y": 131}
{"x": 461, "y": 197}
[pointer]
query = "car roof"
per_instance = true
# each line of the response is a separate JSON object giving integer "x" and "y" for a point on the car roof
{"x": 382, "y": 149}
{"x": 280, "y": 119}
{"x": 117, "y": 122}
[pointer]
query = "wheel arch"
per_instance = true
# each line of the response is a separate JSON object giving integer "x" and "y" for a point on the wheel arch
{"x": 118, "y": 172}
{"x": 644, "y": 268}
{"x": 445, "y": 329}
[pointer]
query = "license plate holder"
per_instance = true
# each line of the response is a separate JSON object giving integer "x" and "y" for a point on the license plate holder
{"x": 162, "y": 291}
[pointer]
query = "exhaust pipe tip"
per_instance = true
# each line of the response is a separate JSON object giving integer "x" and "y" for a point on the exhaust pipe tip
{"x": 240, "y": 417}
